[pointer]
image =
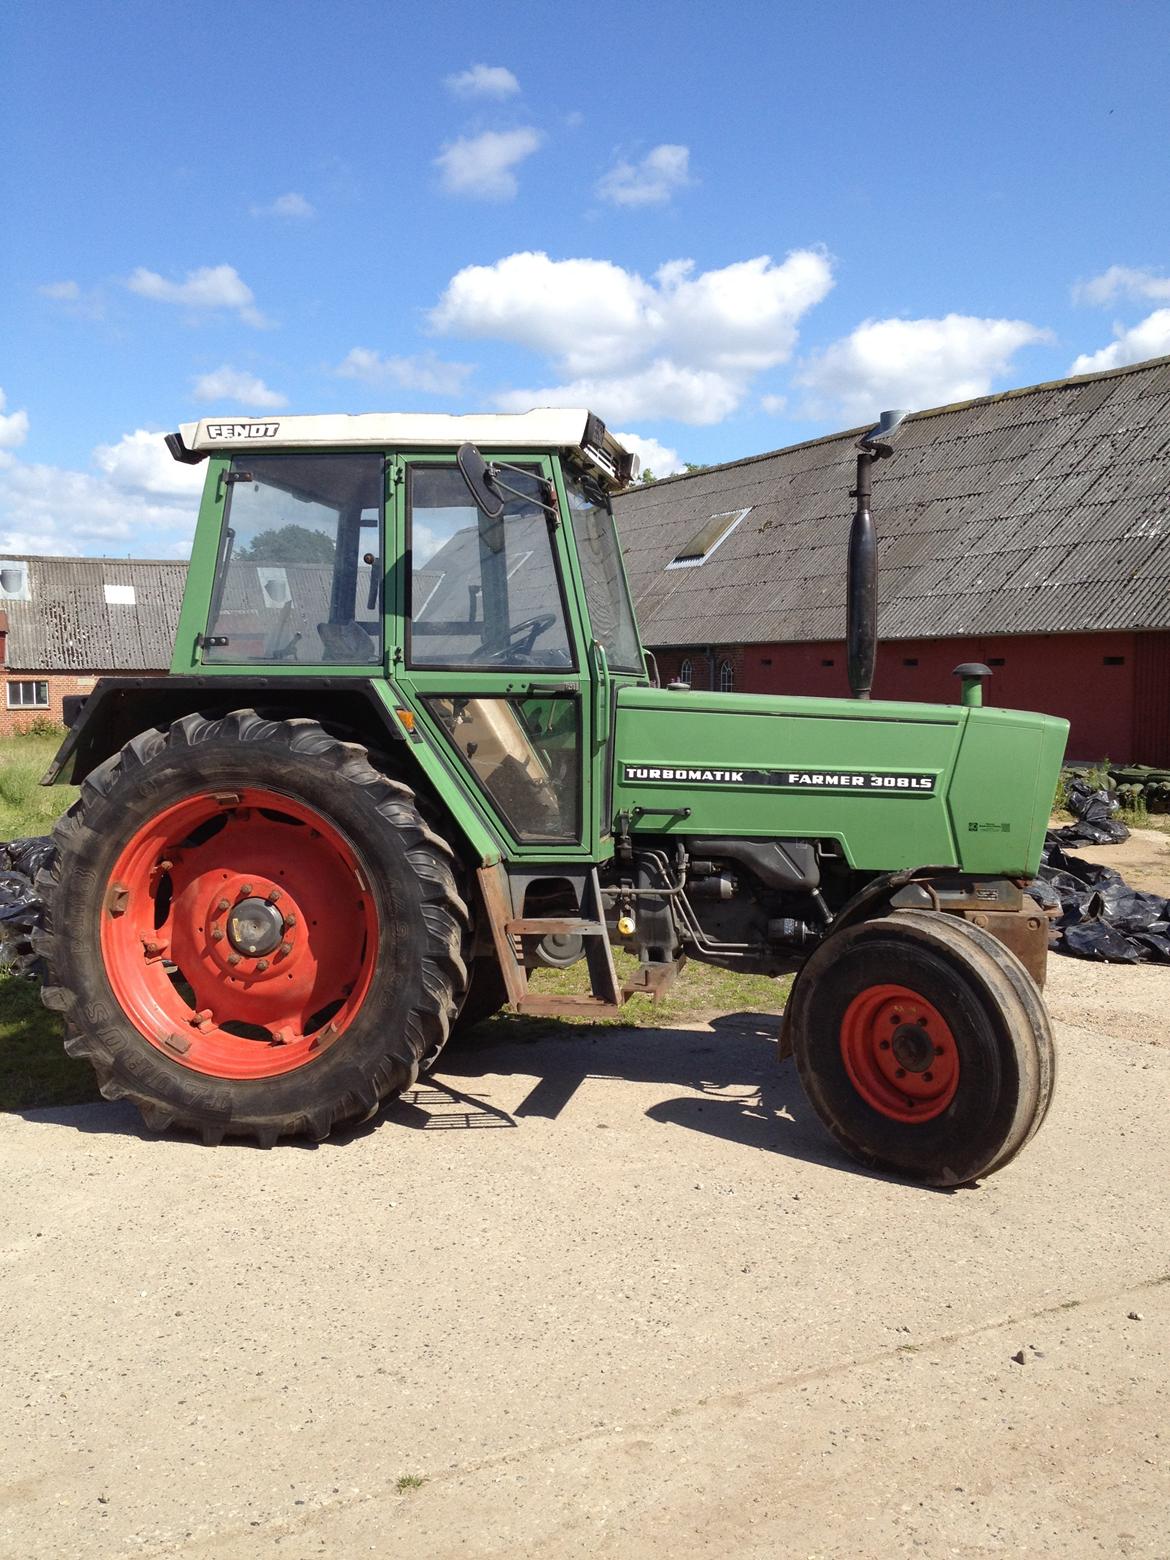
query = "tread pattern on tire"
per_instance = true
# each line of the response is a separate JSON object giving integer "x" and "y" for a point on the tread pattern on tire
{"x": 444, "y": 914}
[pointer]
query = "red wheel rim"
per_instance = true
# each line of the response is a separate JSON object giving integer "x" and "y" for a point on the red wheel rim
{"x": 899, "y": 1053}
{"x": 239, "y": 934}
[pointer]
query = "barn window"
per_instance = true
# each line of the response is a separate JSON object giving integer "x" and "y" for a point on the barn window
{"x": 710, "y": 535}
{"x": 686, "y": 672}
{"x": 1114, "y": 660}
{"x": 726, "y": 677}
{"x": 828, "y": 661}
{"x": 28, "y": 695}
{"x": 909, "y": 660}
{"x": 995, "y": 660}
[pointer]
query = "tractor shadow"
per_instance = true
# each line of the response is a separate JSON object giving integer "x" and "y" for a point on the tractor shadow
{"x": 738, "y": 1090}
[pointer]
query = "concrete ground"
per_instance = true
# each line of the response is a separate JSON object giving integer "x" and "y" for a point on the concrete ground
{"x": 613, "y": 1293}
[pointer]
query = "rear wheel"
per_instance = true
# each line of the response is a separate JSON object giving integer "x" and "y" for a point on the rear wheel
{"x": 250, "y": 930}
{"x": 486, "y": 995}
{"x": 923, "y": 1045}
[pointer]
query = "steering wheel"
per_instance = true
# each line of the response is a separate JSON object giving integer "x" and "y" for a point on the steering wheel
{"x": 533, "y": 627}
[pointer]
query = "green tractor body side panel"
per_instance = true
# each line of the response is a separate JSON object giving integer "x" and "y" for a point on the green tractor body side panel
{"x": 895, "y": 784}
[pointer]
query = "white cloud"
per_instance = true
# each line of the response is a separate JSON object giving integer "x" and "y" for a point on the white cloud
{"x": 141, "y": 463}
{"x": 13, "y": 427}
{"x": 650, "y": 182}
{"x": 912, "y": 364}
{"x": 482, "y": 166}
{"x": 291, "y": 207}
{"x": 62, "y": 292}
{"x": 236, "y": 384}
{"x": 210, "y": 287}
{"x": 685, "y": 344}
{"x": 659, "y": 459}
{"x": 133, "y": 499}
{"x": 1148, "y": 339}
{"x": 1122, "y": 281}
{"x": 425, "y": 372}
{"x": 483, "y": 81}
{"x": 773, "y": 404}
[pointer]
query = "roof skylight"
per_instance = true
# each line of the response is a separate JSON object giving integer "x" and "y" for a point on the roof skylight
{"x": 710, "y": 535}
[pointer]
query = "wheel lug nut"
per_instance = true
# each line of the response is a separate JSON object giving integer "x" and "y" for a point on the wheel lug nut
{"x": 895, "y": 1018}
{"x": 927, "y": 1077}
{"x": 223, "y": 905}
{"x": 938, "y": 1050}
{"x": 286, "y": 947}
{"x": 245, "y": 890}
{"x": 885, "y": 1045}
{"x": 274, "y": 896}
{"x": 289, "y": 922}
{"x": 262, "y": 964}
{"x": 233, "y": 959}
{"x": 217, "y": 934}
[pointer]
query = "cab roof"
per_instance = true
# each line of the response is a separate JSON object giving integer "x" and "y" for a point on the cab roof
{"x": 570, "y": 429}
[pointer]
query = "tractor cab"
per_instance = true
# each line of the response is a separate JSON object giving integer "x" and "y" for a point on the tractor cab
{"x": 357, "y": 546}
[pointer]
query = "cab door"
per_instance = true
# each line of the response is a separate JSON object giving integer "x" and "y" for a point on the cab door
{"x": 488, "y": 649}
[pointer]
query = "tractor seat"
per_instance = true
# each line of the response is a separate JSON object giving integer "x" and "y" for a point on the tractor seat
{"x": 347, "y": 642}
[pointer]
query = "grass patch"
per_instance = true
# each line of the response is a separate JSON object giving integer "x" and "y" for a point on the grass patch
{"x": 26, "y": 806}
{"x": 34, "y": 1069}
{"x": 700, "y": 992}
{"x": 409, "y": 1481}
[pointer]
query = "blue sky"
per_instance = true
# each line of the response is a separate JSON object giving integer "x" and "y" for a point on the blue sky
{"x": 725, "y": 228}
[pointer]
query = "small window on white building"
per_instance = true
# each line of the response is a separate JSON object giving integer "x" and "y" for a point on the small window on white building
{"x": 120, "y": 596}
{"x": 13, "y": 580}
{"x": 686, "y": 672}
{"x": 274, "y": 585}
{"x": 726, "y": 677}
{"x": 28, "y": 695}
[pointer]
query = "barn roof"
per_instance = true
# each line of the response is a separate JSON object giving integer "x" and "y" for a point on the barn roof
{"x": 90, "y": 614}
{"x": 1042, "y": 510}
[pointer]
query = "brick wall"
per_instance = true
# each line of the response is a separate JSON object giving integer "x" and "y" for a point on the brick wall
{"x": 13, "y": 721}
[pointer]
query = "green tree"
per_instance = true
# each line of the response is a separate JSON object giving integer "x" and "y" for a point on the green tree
{"x": 289, "y": 544}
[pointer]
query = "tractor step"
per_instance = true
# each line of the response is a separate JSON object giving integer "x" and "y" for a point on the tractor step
{"x": 503, "y": 894}
{"x": 554, "y": 926}
{"x": 540, "y": 1005}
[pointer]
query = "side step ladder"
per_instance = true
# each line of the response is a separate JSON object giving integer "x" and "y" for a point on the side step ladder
{"x": 606, "y": 997}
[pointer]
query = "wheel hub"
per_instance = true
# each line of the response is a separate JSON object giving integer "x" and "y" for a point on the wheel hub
{"x": 255, "y": 927}
{"x": 912, "y": 1047}
{"x": 899, "y": 1053}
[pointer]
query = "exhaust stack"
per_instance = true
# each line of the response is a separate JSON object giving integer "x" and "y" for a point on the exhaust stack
{"x": 862, "y": 599}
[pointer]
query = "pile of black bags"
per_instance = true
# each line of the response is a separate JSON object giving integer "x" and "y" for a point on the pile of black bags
{"x": 20, "y": 907}
{"x": 1101, "y": 917}
{"x": 1095, "y": 813}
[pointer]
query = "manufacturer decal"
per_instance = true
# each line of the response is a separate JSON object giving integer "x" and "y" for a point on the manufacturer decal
{"x": 865, "y": 780}
{"x": 243, "y": 430}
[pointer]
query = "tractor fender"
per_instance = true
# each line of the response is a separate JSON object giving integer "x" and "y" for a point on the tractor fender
{"x": 356, "y": 709}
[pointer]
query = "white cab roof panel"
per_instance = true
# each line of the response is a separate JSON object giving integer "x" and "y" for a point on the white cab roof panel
{"x": 553, "y": 428}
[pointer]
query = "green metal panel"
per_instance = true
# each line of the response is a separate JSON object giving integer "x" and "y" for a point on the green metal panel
{"x": 895, "y": 784}
{"x": 185, "y": 656}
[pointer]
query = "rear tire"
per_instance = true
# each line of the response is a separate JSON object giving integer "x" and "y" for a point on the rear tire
{"x": 924, "y": 1047}
{"x": 161, "y": 989}
{"x": 486, "y": 995}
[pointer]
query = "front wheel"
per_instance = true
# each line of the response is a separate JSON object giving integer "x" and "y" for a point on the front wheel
{"x": 249, "y": 930}
{"x": 924, "y": 1047}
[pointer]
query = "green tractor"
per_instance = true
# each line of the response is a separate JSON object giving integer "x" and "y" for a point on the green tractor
{"x": 409, "y": 749}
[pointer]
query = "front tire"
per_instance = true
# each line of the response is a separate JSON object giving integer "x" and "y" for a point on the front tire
{"x": 249, "y": 930}
{"x": 924, "y": 1047}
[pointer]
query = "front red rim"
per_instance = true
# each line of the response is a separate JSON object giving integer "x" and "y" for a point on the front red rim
{"x": 899, "y": 1053}
{"x": 239, "y": 934}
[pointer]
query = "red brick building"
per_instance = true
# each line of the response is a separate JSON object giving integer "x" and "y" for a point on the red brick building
{"x": 1029, "y": 530}
{"x": 64, "y": 622}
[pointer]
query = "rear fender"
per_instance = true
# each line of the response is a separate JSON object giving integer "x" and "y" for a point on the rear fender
{"x": 355, "y": 709}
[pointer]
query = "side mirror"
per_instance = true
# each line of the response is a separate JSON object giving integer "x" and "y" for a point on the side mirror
{"x": 473, "y": 469}
{"x": 879, "y": 441}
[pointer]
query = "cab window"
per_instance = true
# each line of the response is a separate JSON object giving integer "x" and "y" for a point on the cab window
{"x": 483, "y": 593}
{"x": 299, "y": 572}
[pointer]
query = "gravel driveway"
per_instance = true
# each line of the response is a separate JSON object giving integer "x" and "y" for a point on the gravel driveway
{"x": 612, "y": 1293}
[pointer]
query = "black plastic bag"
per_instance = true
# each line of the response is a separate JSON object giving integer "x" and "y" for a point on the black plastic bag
{"x": 1096, "y": 939}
